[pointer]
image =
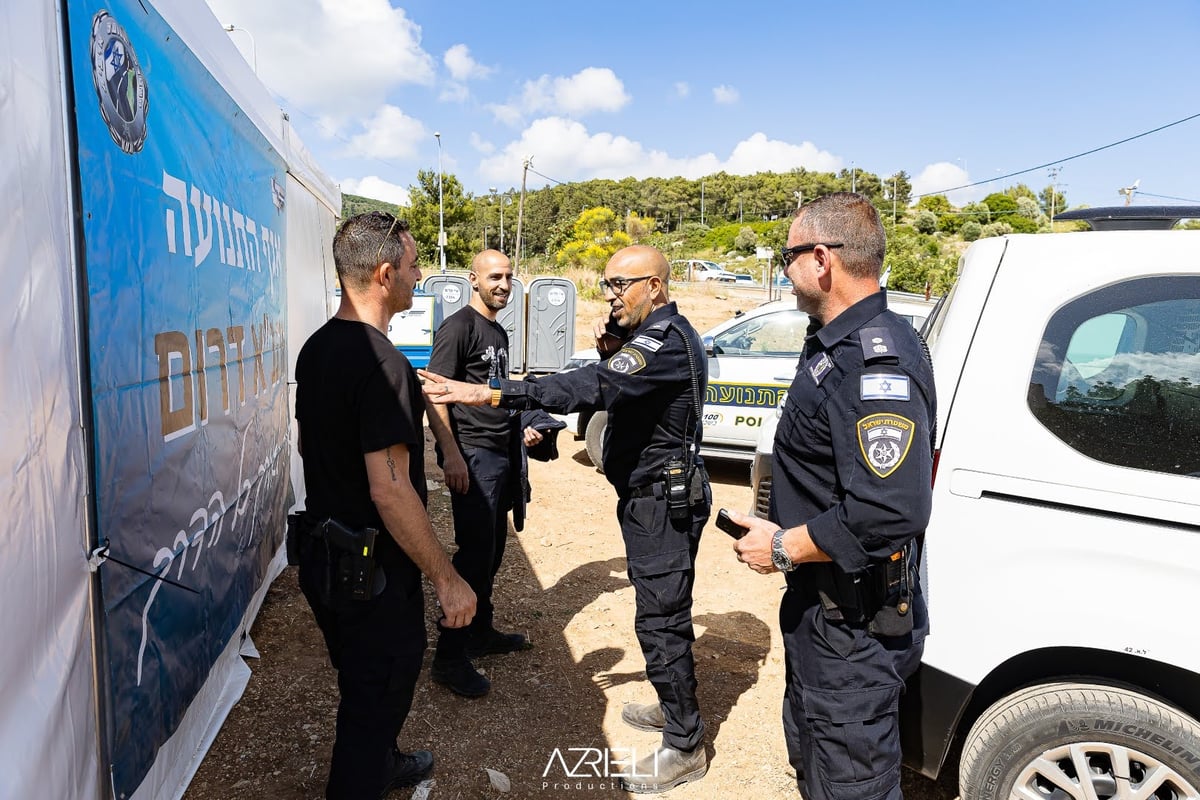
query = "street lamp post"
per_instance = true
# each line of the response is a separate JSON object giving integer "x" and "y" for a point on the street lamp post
{"x": 441, "y": 208}
{"x": 253, "y": 47}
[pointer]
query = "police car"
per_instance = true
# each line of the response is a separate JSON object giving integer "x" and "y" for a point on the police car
{"x": 752, "y": 358}
{"x": 1063, "y": 551}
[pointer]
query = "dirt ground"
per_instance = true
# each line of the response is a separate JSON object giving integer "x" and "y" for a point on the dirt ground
{"x": 563, "y": 584}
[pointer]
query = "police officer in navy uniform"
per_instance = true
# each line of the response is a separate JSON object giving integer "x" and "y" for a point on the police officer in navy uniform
{"x": 850, "y": 498}
{"x": 652, "y": 382}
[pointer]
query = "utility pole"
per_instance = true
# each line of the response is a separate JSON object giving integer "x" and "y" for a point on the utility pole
{"x": 894, "y": 200}
{"x": 1053, "y": 193}
{"x": 525, "y": 164}
{"x": 441, "y": 208}
{"x": 701, "y": 201}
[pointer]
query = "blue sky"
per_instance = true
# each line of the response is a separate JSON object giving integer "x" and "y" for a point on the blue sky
{"x": 952, "y": 93}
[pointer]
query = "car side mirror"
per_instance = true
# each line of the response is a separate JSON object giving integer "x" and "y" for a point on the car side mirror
{"x": 710, "y": 349}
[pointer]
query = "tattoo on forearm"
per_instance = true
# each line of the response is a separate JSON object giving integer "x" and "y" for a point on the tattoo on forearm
{"x": 391, "y": 462}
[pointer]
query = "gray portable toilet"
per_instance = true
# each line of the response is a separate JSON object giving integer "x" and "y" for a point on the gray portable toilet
{"x": 451, "y": 291}
{"x": 512, "y": 319}
{"x": 551, "y": 324}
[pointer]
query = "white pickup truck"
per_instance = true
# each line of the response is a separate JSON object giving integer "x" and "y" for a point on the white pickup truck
{"x": 1063, "y": 553}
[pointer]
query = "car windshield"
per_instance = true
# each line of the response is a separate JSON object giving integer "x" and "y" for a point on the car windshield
{"x": 780, "y": 333}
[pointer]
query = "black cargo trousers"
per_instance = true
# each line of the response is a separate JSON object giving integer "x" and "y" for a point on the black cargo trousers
{"x": 376, "y": 646}
{"x": 661, "y": 559}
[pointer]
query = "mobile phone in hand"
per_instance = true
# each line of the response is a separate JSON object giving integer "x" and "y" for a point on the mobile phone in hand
{"x": 725, "y": 523}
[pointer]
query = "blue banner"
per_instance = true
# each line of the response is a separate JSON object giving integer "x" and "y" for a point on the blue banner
{"x": 184, "y": 226}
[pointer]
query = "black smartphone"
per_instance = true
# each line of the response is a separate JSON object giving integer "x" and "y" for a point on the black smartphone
{"x": 729, "y": 526}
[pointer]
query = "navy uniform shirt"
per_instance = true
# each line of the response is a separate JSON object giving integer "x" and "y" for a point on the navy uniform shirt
{"x": 854, "y": 448}
{"x": 649, "y": 389}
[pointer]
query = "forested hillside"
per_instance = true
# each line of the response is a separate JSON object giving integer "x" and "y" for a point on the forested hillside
{"x": 721, "y": 217}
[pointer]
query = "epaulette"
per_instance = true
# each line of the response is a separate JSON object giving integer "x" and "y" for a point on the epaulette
{"x": 878, "y": 345}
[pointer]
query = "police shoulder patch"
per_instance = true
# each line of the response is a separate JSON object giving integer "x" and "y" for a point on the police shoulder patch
{"x": 647, "y": 342}
{"x": 885, "y": 440}
{"x": 627, "y": 360}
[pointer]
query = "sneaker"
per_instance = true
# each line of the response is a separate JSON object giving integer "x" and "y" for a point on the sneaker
{"x": 409, "y": 769}
{"x": 665, "y": 769}
{"x": 493, "y": 642}
{"x": 643, "y": 716}
{"x": 460, "y": 677}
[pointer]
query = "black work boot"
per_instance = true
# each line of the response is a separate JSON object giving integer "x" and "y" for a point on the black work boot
{"x": 492, "y": 642}
{"x": 408, "y": 769}
{"x": 460, "y": 677}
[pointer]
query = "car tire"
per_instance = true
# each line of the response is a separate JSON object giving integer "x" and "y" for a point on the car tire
{"x": 1056, "y": 739}
{"x": 594, "y": 438}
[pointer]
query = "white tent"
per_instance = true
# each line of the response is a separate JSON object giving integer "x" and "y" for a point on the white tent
{"x": 165, "y": 250}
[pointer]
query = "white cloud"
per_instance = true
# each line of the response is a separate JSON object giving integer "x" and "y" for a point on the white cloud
{"x": 342, "y": 60}
{"x": 682, "y": 89}
{"x": 376, "y": 188}
{"x": 565, "y": 150}
{"x": 506, "y": 114}
{"x": 760, "y": 154}
{"x": 480, "y": 144}
{"x": 587, "y": 91}
{"x": 725, "y": 95}
{"x": 390, "y": 134}
{"x": 462, "y": 67}
{"x": 941, "y": 176}
{"x": 454, "y": 92}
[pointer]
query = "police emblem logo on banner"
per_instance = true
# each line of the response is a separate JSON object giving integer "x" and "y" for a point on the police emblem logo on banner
{"x": 884, "y": 440}
{"x": 120, "y": 83}
{"x": 627, "y": 360}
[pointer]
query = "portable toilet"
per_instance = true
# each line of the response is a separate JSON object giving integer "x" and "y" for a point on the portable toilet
{"x": 551, "y": 312}
{"x": 512, "y": 319}
{"x": 412, "y": 331}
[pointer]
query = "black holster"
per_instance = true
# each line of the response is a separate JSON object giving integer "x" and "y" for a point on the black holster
{"x": 880, "y": 596}
{"x": 350, "y": 565}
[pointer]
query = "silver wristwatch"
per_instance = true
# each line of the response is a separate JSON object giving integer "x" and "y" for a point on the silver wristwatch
{"x": 779, "y": 556}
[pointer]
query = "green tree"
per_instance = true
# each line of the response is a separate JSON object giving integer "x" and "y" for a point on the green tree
{"x": 462, "y": 236}
{"x": 596, "y": 235}
{"x": 937, "y": 203}
{"x": 999, "y": 204}
{"x": 925, "y": 220}
{"x": 970, "y": 231}
{"x": 914, "y": 260}
{"x": 1052, "y": 201}
{"x": 746, "y": 240}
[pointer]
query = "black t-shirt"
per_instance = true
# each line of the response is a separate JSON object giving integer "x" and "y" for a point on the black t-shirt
{"x": 355, "y": 394}
{"x": 469, "y": 347}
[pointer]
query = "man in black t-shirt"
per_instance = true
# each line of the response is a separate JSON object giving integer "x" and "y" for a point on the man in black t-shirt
{"x": 481, "y": 463}
{"x": 358, "y": 412}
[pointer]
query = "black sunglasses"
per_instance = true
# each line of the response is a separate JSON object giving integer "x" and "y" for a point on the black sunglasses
{"x": 789, "y": 253}
{"x": 618, "y": 285}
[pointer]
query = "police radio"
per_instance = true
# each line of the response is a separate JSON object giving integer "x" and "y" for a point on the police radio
{"x": 677, "y": 479}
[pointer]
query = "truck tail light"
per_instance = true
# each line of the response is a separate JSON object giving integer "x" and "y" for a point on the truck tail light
{"x": 937, "y": 454}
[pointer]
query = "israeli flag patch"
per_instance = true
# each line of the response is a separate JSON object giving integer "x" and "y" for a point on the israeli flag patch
{"x": 646, "y": 342}
{"x": 884, "y": 387}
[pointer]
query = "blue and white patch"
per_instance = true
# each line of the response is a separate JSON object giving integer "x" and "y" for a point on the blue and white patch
{"x": 884, "y": 387}
{"x": 819, "y": 367}
{"x": 627, "y": 361}
{"x": 646, "y": 342}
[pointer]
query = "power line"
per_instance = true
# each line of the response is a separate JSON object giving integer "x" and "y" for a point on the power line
{"x": 1061, "y": 160}
{"x": 547, "y": 177}
{"x": 1168, "y": 197}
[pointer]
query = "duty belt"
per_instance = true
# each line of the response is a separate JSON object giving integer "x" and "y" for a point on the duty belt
{"x": 649, "y": 490}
